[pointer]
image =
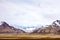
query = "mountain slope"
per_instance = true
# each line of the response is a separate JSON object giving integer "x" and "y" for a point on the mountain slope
{"x": 54, "y": 28}
{"x": 5, "y": 28}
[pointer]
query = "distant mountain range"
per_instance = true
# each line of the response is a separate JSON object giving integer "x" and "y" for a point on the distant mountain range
{"x": 53, "y": 28}
{"x": 28, "y": 28}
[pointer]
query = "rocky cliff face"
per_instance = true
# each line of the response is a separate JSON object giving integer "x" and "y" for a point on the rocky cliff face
{"x": 6, "y": 28}
{"x": 54, "y": 28}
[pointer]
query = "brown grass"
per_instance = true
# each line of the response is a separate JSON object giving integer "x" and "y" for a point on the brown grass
{"x": 28, "y": 36}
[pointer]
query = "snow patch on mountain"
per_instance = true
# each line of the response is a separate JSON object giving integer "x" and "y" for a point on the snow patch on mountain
{"x": 57, "y": 22}
{"x": 1, "y": 23}
{"x": 28, "y": 28}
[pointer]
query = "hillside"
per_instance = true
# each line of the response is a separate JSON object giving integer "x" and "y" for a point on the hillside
{"x": 6, "y": 28}
{"x": 54, "y": 28}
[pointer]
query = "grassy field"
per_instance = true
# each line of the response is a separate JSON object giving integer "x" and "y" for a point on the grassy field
{"x": 28, "y": 36}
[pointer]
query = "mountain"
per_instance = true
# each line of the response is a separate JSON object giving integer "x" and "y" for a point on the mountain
{"x": 28, "y": 29}
{"x": 6, "y": 28}
{"x": 54, "y": 28}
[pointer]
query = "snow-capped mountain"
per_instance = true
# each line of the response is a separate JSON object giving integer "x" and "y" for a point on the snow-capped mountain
{"x": 57, "y": 23}
{"x": 6, "y": 28}
{"x": 28, "y": 28}
{"x": 54, "y": 28}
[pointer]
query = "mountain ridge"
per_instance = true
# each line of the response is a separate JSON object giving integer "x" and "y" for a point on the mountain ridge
{"x": 6, "y": 28}
{"x": 54, "y": 28}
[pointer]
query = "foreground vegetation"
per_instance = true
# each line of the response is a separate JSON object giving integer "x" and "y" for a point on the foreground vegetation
{"x": 28, "y": 36}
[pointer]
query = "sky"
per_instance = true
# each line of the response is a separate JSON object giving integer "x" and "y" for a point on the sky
{"x": 29, "y": 12}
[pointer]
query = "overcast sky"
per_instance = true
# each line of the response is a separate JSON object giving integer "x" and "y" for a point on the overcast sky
{"x": 29, "y": 12}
